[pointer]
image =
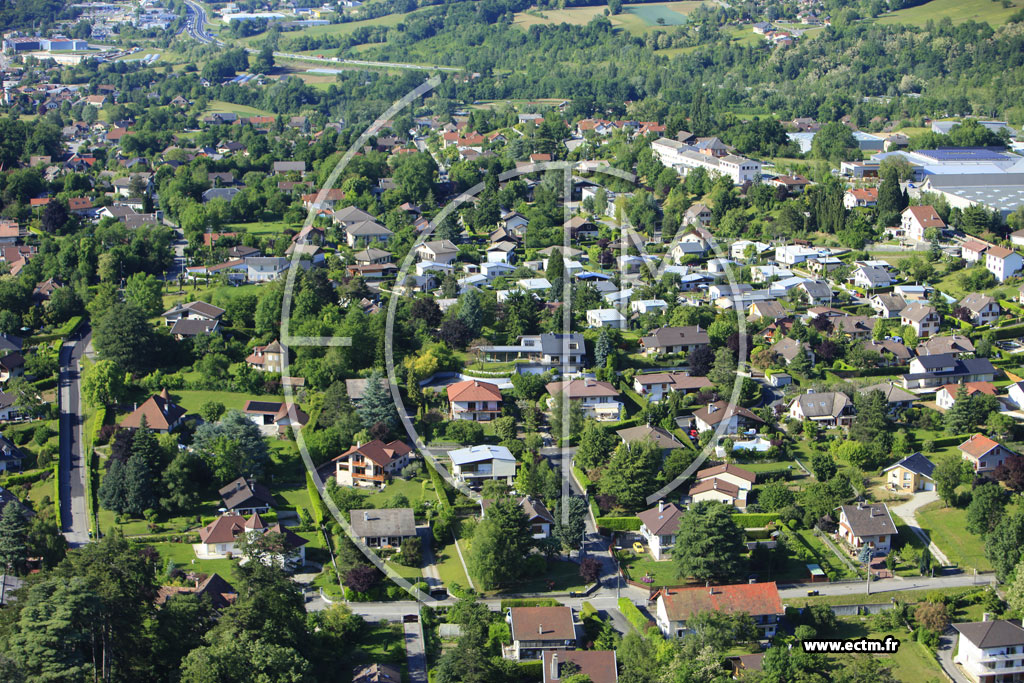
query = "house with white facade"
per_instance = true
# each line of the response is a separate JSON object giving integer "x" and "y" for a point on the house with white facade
{"x": 606, "y": 317}
{"x": 474, "y": 399}
{"x": 1003, "y": 263}
{"x": 923, "y": 318}
{"x": 598, "y": 399}
{"x": 991, "y": 650}
{"x": 983, "y": 309}
{"x": 659, "y": 526}
{"x": 675, "y": 606}
{"x": 916, "y": 220}
{"x": 476, "y": 464}
{"x": 984, "y": 454}
{"x": 867, "y": 524}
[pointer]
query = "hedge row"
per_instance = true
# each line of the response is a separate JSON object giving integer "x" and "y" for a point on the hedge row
{"x": 92, "y": 470}
{"x": 315, "y": 501}
{"x": 185, "y": 537}
{"x": 438, "y": 486}
{"x": 753, "y": 520}
{"x": 531, "y": 671}
{"x": 1010, "y": 332}
{"x": 27, "y": 477}
{"x": 619, "y": 523}
{"x": 56, "y": 491}
{"x": 633, "y": 615}
{"x": 529, "y": 602}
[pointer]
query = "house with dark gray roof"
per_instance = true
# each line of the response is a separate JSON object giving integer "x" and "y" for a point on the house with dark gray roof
{"x": 931, "y": 372}
{"x": 990, "y": 650}
{"x": 911, "y": 474}
{"x": 867, "y": 524}
{"x": 246, "y": 496}
{"x": 384, "y": 527}
{"x": 828, "y": 408}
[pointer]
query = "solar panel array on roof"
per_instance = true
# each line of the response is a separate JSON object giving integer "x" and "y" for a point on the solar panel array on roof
{"x": 962, "y": 154}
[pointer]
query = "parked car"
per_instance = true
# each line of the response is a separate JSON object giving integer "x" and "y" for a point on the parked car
{"x": 638, "y": 547}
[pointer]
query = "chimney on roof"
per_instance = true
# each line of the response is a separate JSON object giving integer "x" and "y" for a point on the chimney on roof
{"x": 540, "y": 629}
{"x": 661, "y": 506}
{"x": 711, "y": 408}
{"x": 554, "y": 665}
{"x": 986, "y": 616}
{"x": 366, "y": 515}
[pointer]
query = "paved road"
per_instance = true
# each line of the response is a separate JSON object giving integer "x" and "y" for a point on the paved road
{"x": 414, "y": 650}
{"x": 195, "y": 26}
{"x": 74, "y": 521}
{"x": 907, "y": 512}
{"x": 886, "y": 586}
{"x": 946, "y": 645}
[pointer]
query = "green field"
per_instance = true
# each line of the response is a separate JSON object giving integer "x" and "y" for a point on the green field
{"x": 192, "y": 400}
{"x": 221, "y": 107}
{"x": 657, "y": 15}
{"x": 261, "y": 228}
{"x": 958, "y": 11}
{"x": 636, "y": 19}
{"x": 911, "y": 662}
{"x": 212, "y": 294}
{"x": 947, "y": 527}
{"x": 337, "y": 29}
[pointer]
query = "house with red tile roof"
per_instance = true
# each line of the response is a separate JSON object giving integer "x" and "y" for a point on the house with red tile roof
{"x": 371, "y": 464}
{"x": 600, "y": 666}
{"x": 474, "y": 400}
{"x": 160, "y": 412}
{"x": 675, "y": 606}
{"x": 945, "y": 397}
{"x": 867, "y": 196}
{"x": 984, "y": 454}
{"x": 916, "y": 220}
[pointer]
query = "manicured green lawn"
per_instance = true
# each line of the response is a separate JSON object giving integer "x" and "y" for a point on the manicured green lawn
{"x": 216, "y": 294}
{"x": 947, "y": 527}
{"x": 859, "y": 598}
{"x": 414, "y": 574}
{"x": 639, "y": 566}
{"x": 558, "y": 576}
{"x": 260, "y": 227}
{"x": 911, "y": 662}
{"x": 957, "y": 10}
{"x": 183, "y": 556}
{"x": 415, "y": 490}
{"x": 449, "y": 567}
{"x": 220, "y": 106}
{"x": 192, "y": 400}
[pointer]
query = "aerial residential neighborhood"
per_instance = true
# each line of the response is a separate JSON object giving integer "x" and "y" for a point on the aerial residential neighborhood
{"x": 505, "y": 342}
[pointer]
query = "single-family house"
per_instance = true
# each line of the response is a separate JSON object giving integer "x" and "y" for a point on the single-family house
{"x": 192, "y": 310}
{"x": 501, "y": 252}
{"x": 475, "y": 464}
{"x": 535, "y": 630}
{"x": 770, "y": 309}
{"x": 475, "y": 400}
{"x": 718, "y": 491}
{"x": 973, "y": 251}
{"x": 675, "y": 606}
{"x": 984, "y": 454}
{"x": 365, "y": 233}
{"x": 648, "y": 306}
{"x": 788, "y": 348}
{"x": 665, "y": 340}
{"x": 729, "y": 473}
{"x": 867, "y": 196}
{"x": 655, "y": 386}
{"x": 922, "y": 318}
{"x": 598, "y": 399}
{"x": 246, "y": 496}
{"x": 606, "y": 317}
{"x": 815, "y": 292}
{"x": 931, "y": 371}
{"x": 870, "y": 277}
{"x": 828, "y": 408}
{"x": 541, "y": 520}
{"x": 956, "y": 344}
{"x": 990, "y": 651}
{"x": 11, "y": 456}
{"x": 371, "y": 464}
{"x": 659, "y": 526}
{"x": 911, "y": 474}
{"x": 736, "y": 418}
{"x": 384, "y": 527}
{"x": 600, "y": 666}
{"x": 890, "y": 351}
{"x": 376, "y": 672}
{"x": 265, "y": 268}
{"x": 275, "y": 413}
{"x": 269, "y": 358}
{"x": 916, "y": 220}
{"x": 867, "y": 524}
{"x": 161, "y": 414}
{"x": 438, "y": 251}
{"x": 218, "y": 538}
{"x": 1003, "y": 263}
{"x": 945, "y": 397}
{"x": 660, "y": 437}
{"x": 982, "y": 309}
{"x": 887, "y": 305}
